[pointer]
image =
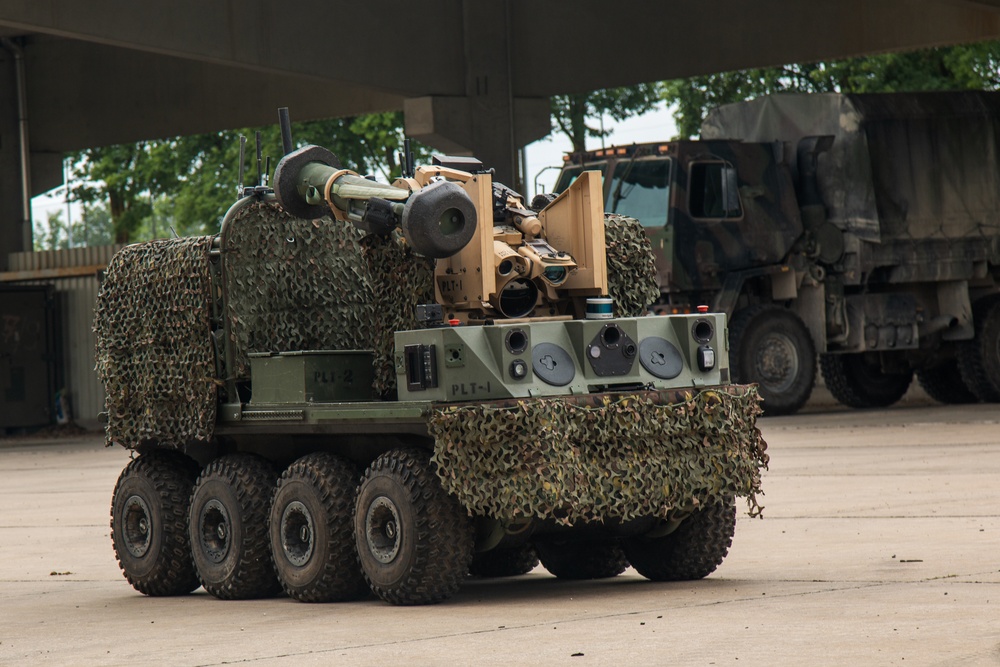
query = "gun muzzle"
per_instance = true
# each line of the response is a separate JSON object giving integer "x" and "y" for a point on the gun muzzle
{"x": 437, "y": 220}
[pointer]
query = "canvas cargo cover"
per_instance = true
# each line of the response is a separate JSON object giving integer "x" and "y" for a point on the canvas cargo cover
{"x": 902, "y": 165}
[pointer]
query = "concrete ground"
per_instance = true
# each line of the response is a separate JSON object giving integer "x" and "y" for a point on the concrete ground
{"x": 880, "y": 545}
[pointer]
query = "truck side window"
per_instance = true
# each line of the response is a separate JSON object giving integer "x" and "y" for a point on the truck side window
{"x": 706, "y": 194}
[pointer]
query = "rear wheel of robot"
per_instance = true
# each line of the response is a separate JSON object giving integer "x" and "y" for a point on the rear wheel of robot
{"x": 228, "y": 528}
{"x": 149, "y": 511}
{"x": 312, "y": 530}
{"x": 509, "y": 562}
{"x": 693, "y": 551}
{"x": 570, "y": 559}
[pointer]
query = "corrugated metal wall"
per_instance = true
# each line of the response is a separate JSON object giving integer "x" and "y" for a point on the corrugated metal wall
{"x": 75, "y": 299}
{"x": 62, "y": 259}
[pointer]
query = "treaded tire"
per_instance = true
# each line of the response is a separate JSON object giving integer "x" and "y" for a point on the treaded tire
{"x": 414, "y": 541}
{"x": 228, "y": 528}
{"x": 510, "y": 562}
{"x": 944, "y": 384}
{"x": 771, "y": 346}
{"x": 582, "y": 560}
{"x": 857, "y": 383}
{"x": 312, "y": 530}
{"x": 693, "y": 551}
{"x": 149, "y": 511}
{"x": 979, "y": 358}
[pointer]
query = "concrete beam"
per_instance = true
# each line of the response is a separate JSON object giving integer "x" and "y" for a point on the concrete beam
{"x": 117, "y": 95}
{"x": 396, "y": 47}
{"x": 555, "y": 47}
{"x": 632, "y": 41}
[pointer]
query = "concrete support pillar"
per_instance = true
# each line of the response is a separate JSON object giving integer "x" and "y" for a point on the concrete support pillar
{"x": 488, "y": 122}
{"x": 11, "y": 201}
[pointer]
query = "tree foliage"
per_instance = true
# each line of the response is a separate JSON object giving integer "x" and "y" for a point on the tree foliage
{"x": 570, "y": 112}
{"x": 185, "y": 184}
{"x": 963, "y": 67}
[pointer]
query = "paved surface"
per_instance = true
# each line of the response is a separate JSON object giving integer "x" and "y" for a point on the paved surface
{"x": 880, "y": 546}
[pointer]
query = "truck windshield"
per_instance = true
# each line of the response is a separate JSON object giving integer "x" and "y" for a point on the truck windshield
{"x": 570, "y": 174}
{"x": 641, "y": 189}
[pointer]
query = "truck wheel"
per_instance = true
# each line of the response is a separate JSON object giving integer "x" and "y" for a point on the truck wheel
{"x": 772, "y": 347}
{"x": 582, "y": 560}
{"x": 149, "y": 523}
{"x": 693, "y": 551}
{"x": 228, "y": 528}
{"x": 414, "y": 541}
{"x": 312, "y": 530}
{"x": 979, "y": 358}
{"x": 857, "y": 381}
{"x": 944, "y": 384}
{"x": 509, "y": 562}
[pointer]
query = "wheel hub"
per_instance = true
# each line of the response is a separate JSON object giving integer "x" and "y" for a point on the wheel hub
{"x": 776, "y": 362}
{"x": 297, "y": 531}
{"x": 136, "y": 526}
{"x": 215, "y": 531}
{"x": 382, "y": 529}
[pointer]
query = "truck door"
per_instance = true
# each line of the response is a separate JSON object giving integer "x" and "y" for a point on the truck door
{"x": 735, "y": 210}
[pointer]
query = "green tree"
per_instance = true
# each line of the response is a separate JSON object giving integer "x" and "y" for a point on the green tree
{"x": 570, "y": 112}
{"x": 187, "y": 183}
{"x": 52, "y": 234}
{"x": 963, "y": 67}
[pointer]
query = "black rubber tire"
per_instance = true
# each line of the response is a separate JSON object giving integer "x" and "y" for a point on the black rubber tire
{"x": 414, "y": 541}
{"x": 149, "y": 511}
{"x": 856, "y": 381}
{"x": 510, "y": 562}
{"x": 979, "y": 358}
{"x": 312, "y": 530}
{"x": 771, "y": 346}
{"x": 944, "y": 384}
{"x": 582, "y": 560}
{"x": 693, "y": 551}
{"x": 228, "y": 528}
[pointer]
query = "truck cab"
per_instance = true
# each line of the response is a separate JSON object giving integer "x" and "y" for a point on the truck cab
{"x": 709, "y": 208}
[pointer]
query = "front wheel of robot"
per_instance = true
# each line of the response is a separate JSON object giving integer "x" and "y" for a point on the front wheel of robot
{"x": 693, "y": 551}
{"x": 414, "y": 541}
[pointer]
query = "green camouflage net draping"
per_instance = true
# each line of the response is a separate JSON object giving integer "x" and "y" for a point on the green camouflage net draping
{"x": 597, "y": 457}
{"x": 631, "y": 266}
{"x": 400, "y": 281}
{"x": 154, "y": 350}
{"x": 294, "y": 284}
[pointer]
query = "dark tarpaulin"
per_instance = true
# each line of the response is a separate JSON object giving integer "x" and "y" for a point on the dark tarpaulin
{"x": 925, "y": 164}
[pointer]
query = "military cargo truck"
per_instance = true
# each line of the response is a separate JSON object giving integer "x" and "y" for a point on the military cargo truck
{"x": 361, "y": 387}
{"x": 862, "y": 228}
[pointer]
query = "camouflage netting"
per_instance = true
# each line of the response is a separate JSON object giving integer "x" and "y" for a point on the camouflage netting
{"x": 599, "y": 457}
{"x": 294, "y": 284}
{"x": 154, "y": 351}
{"x": 401, "y": 280}
{"x": 631, "y": 266}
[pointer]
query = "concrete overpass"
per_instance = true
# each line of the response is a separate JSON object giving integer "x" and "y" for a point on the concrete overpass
{"x": 471, "y": 75}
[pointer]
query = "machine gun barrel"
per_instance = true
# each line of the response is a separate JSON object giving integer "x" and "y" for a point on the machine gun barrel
{"x": 438, "y": 220}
